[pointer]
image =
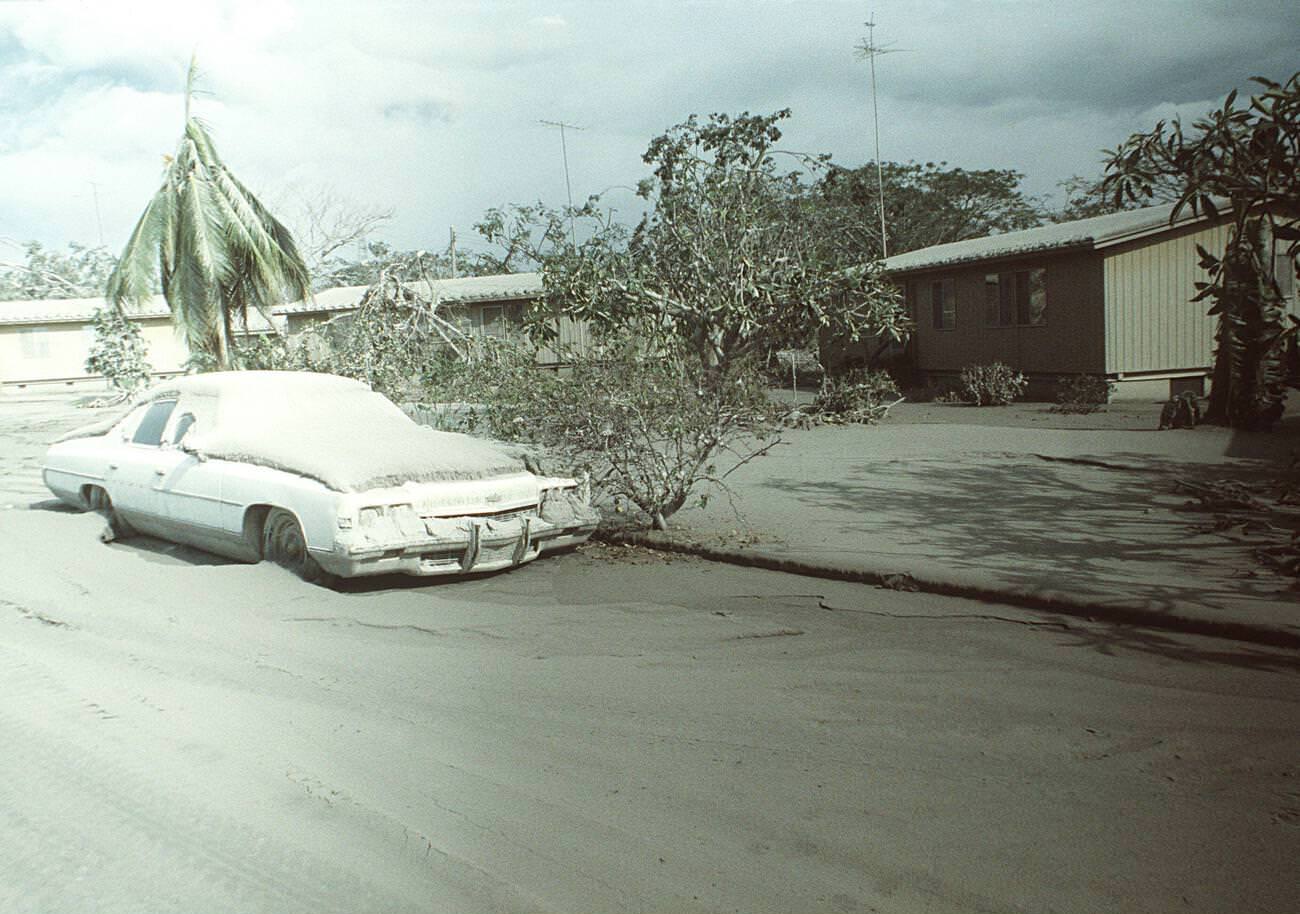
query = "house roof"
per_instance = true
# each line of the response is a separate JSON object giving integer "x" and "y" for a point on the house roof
{"x": 73, "y": 310}
{"x": 1096, "y": 232}
{"x": 503, "y": 287}
{"x": 462, "y": 289}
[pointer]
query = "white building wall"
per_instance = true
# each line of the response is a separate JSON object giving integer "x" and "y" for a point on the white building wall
{"x": 1152, "y": 325}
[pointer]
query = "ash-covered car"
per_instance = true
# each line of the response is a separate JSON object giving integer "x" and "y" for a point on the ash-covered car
{"x": 316, "y": 472}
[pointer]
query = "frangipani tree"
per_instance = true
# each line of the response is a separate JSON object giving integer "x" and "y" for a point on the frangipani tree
{"x": 1250, "y": 158}
{"x": 214, "y": 249}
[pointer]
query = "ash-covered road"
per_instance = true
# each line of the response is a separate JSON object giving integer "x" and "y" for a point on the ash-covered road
{"x": 608, "y": 731}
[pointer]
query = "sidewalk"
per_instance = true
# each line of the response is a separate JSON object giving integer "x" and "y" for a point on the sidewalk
{"x": 1075, "y": 520}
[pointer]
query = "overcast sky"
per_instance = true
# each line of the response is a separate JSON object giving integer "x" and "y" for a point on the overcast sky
{"x": 432, "y": 109}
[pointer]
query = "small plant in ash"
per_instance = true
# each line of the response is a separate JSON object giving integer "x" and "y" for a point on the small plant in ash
{"x": 860, "y": 396}
{"x": 994, "y": 384}
{"x": 1082, "y": 393}
{"x": 118, "y": 352}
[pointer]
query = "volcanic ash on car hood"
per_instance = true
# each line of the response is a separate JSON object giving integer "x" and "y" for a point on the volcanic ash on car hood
{"x": 356, "y": 441}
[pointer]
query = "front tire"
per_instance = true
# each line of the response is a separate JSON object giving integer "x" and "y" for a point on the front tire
{"x": 97, "y": 500}
{"x": 284, "y": 544}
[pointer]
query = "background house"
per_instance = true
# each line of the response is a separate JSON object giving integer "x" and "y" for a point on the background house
{"x": 488, "y": 306}
{"x": 44, "y": 343}
{"x": 1110, "y": 295}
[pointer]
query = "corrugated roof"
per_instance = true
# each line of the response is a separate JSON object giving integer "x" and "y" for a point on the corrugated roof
{"x": 501, "y": 287}
{"x": 1097, "y": 232}
{"x": 73, "y": 310}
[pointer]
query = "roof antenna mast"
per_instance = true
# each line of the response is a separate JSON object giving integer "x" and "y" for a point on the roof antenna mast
{"x": 564, "y": 151}
{"x": 870, "y": 50}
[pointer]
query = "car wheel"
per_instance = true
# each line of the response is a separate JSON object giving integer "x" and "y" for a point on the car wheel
{"x": 284, "y": 544}
{"x": 98, "y": 501}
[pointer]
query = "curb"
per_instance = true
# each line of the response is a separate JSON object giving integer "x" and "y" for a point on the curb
{"x": 1120, "y": 613}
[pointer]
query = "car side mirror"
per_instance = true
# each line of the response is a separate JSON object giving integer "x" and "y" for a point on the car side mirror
{"x": 192, "y": 445}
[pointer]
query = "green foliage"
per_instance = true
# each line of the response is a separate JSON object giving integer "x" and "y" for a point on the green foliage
{"x": 1082, "y": 393}
{"x": 80, "y": 272}
{"x": 648, "y": 427}
{"x": 1249, "y": 157}
{"x": 383, "y": 259}
{"x": 924, "y": 205}
{"x": 724, "y": 262}
{"x": 271, "y": 352}
{"x": 1250, "y": 375}
{"x": 994, "y": 384}
{"x": 216, "y": 251}
{"x": 856, "y": 397}
{"x": 118, "y": 351}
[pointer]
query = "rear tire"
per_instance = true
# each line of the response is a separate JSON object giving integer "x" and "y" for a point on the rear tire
{"x": 284, "y": 544}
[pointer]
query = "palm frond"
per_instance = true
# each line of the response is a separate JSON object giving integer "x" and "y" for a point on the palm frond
{"x": 132, "y": 278}
{"x": 216, "y": 249}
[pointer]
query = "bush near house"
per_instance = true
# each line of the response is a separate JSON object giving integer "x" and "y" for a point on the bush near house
{"x": 1082, "y": 393}
{"x": 118, "y": 352}
{"x": 994, "y": 384}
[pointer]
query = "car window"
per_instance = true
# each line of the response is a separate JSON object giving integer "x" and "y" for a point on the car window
{"x": 150, "y": 429}
{"x": 182, "y": 426}
{"x": 126, "y": 428}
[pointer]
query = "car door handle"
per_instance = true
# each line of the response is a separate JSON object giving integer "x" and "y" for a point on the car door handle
{"x": 112, "y": 466}
{"x": 160, "y": 472}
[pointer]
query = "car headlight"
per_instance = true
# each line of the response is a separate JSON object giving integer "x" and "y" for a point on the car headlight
{"x": 375, "y": 514}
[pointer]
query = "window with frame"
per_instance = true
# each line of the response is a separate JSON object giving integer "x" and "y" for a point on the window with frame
{"x": 152, "y": 423}
{"x": 943, "y": 304}
{"x": 1284, "y": 274}
{"x": 35, "y": 342}
{"x": 492, "y": 321}
{"x": 1015, "y": 298}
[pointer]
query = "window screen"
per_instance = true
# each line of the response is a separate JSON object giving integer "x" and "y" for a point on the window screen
{"x": 943, "y": 301}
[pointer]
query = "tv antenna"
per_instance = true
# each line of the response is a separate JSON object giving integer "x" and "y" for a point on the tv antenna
{"x": 870, "y": 50}
{"x": 99, "y": 219}
{"x": 564, "y": 151}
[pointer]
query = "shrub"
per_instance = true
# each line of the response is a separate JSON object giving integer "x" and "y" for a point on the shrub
{"x": 991, "y": 385}
{"x": 269, "y": 352}
{"x": 1082, "y": 393}
{"x": 647, "y": 426}
{"x": 857, "y": 397}
{"x": 118, "y": 351}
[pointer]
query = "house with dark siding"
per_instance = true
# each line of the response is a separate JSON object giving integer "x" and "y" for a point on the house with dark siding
{"x": 1111, "y": 295}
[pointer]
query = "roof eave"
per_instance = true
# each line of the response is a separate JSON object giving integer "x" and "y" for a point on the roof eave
{"x": 1044, "y": 251}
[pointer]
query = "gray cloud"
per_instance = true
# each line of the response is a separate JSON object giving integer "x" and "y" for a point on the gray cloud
{"x": 432, "y": 108}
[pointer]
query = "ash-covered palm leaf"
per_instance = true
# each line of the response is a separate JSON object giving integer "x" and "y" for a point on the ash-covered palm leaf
{"x": 213, "y": 248}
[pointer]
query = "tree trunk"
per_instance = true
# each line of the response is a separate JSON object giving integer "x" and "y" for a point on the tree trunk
{"x": 1249, "y": 380}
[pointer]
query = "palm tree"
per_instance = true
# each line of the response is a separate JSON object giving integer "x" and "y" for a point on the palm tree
{"x": 215, "y": 248}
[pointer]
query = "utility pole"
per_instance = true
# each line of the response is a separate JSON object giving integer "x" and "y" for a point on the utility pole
{"x": 564, "y": 151}
{"x": 870, "y": 50}
{"x": 452, "y": 249}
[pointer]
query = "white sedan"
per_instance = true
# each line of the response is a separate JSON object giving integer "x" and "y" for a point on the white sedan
{"x": 315, "y": 472}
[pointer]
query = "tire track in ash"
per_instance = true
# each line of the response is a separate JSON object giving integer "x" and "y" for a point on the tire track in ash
{"x": 83, "y": 828}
